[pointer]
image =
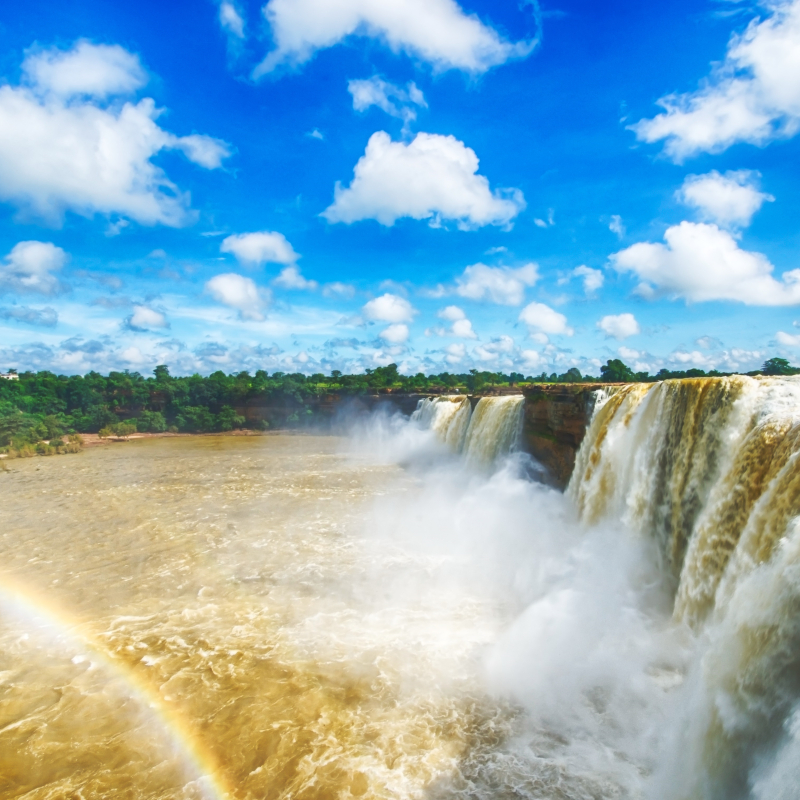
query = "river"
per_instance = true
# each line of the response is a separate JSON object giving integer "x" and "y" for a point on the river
{"x": 405, "y": 613}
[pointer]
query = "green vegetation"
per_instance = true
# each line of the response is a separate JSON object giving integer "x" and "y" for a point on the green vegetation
{"x": 43, "y": 412}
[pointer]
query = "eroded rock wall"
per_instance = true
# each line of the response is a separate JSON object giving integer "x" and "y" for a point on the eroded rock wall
{"x": 556, "y": 418}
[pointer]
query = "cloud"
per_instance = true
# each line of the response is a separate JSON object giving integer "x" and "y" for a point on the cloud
{"x": 240, "y": 293}
{"x": 432, "y": 177}
{"x": 230, "y": 20}
{"x": 532, "y": 359}
{"x": 394, "y": 100}
{"x": 616, "y": 225}
{"x": 338, "y": 289}
{"x": 452, "y": 314}
{"x": 254, "y": 249}
{"x": 29, "y": 267}
{"x": 62, "y": 150}
{"x": 461, "y": 326}
{"x": 788, "y": 339}
{"x": 389, "y": 308}
{"x": 502, "y": 285}
{"x": 455, "y": 353}
{"x": 593, "y": 279}
{"x": 548, "y": 223}
{"x": 493, "y": 350}
{"x": 628, "y": 353}
{"x": 397, "y": 333}
{"x": 41, "y": 317}
{"x": 111, "y": 302}
{"x": 542, "y": 318}
{"x": 701, "y": 262}
{"x": 145, "y": 319}
{"x": 290, "y": 278}
{"x": 92, "y": 70}
{"x": 202, "y": 150}
{"x": 351, "y": 343}
{"x": 730, "y": 200}
{"x": 752, "y": 96}
{"x": 619, "y": 326}
{"x": 435, "y": 31}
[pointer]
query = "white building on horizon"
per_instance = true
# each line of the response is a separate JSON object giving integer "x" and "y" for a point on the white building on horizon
{"x": 9, "y": 376}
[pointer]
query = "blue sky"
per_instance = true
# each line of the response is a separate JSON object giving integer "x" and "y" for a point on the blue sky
{"x": 307, "y": 185}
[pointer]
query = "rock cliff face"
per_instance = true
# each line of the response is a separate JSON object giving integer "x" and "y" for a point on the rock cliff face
{"x": 556, "y": 417}
{"x": 327, "y": 410}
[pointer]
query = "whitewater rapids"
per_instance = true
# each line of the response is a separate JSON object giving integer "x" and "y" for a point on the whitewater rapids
{"x": 403, "y": 613}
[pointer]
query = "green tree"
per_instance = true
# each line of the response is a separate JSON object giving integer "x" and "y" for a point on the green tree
{"x": 778, "y": 366}
{"x": 615, "y": 371}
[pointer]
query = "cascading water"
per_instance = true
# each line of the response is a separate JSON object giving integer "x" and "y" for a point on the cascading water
{"x": 483, "y": 435}
{"x": 709, "y": 469}
{"x": 448, "y": 417}
{"x": 494, "y": 428}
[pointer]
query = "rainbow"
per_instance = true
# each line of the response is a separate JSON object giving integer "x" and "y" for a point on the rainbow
{"x": 197, "y": 759}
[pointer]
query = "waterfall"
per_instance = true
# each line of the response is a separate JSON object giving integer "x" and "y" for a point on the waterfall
{"x": 709, "y": 469}
{"x": 494, "y": 428}
{"x": 447, "y": 416}
{"x": 483, "y": 435}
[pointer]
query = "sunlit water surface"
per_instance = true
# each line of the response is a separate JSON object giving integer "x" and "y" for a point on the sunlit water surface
{"x": 202, "y": 617}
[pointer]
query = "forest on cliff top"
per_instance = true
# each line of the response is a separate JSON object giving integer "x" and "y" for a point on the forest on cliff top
{"x": 41, "y": 407}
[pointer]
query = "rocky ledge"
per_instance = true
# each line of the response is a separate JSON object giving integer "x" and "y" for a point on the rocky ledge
{"x": 556, "y": 417}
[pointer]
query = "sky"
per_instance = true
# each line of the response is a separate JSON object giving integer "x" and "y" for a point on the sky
{"x": 309, "y": 185}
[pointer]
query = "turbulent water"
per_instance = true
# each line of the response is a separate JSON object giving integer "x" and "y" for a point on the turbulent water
{"x": 402, "y": 613}
{"x": 484, "y": 434}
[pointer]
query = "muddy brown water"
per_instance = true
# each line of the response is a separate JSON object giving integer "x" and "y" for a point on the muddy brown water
{"x": 204, "y": 618}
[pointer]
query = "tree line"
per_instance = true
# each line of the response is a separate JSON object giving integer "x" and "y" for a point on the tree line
{"x": 43, "y": 410}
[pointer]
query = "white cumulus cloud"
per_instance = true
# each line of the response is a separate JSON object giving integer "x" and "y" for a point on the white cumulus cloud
{"x": 502, "y": 285}
{"x": 389, "y": 308}
{"x": 62, "y": 150}
{"x": 290, "y": 278}
{"x": 261, "y": 247}
{"x": 495, "y": 349}
{"x": 240, "y": 293}
{"x": 432, "y": 177}
{"x": 460, "y": 327}
{"x": 788, "y": 339}
{"x": 145, "y": 318}
{"x": 396, "y": 333}
{"x": 701, "y": 262}
{"x": 95, "y": 70}
{"x": 532, "y": 359}
{"x": 455, "y": 353}
{"x": 540, "y": 317}
{"x": 452, "y": 314}
{"x": 435, "y": 31}
{"x": 752, "y": 96}
{"x": 593, "y": 279}
{"x": 619, "y": 326}
{"x": 730, "y": 200}
{"x": 30, "y": 267}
